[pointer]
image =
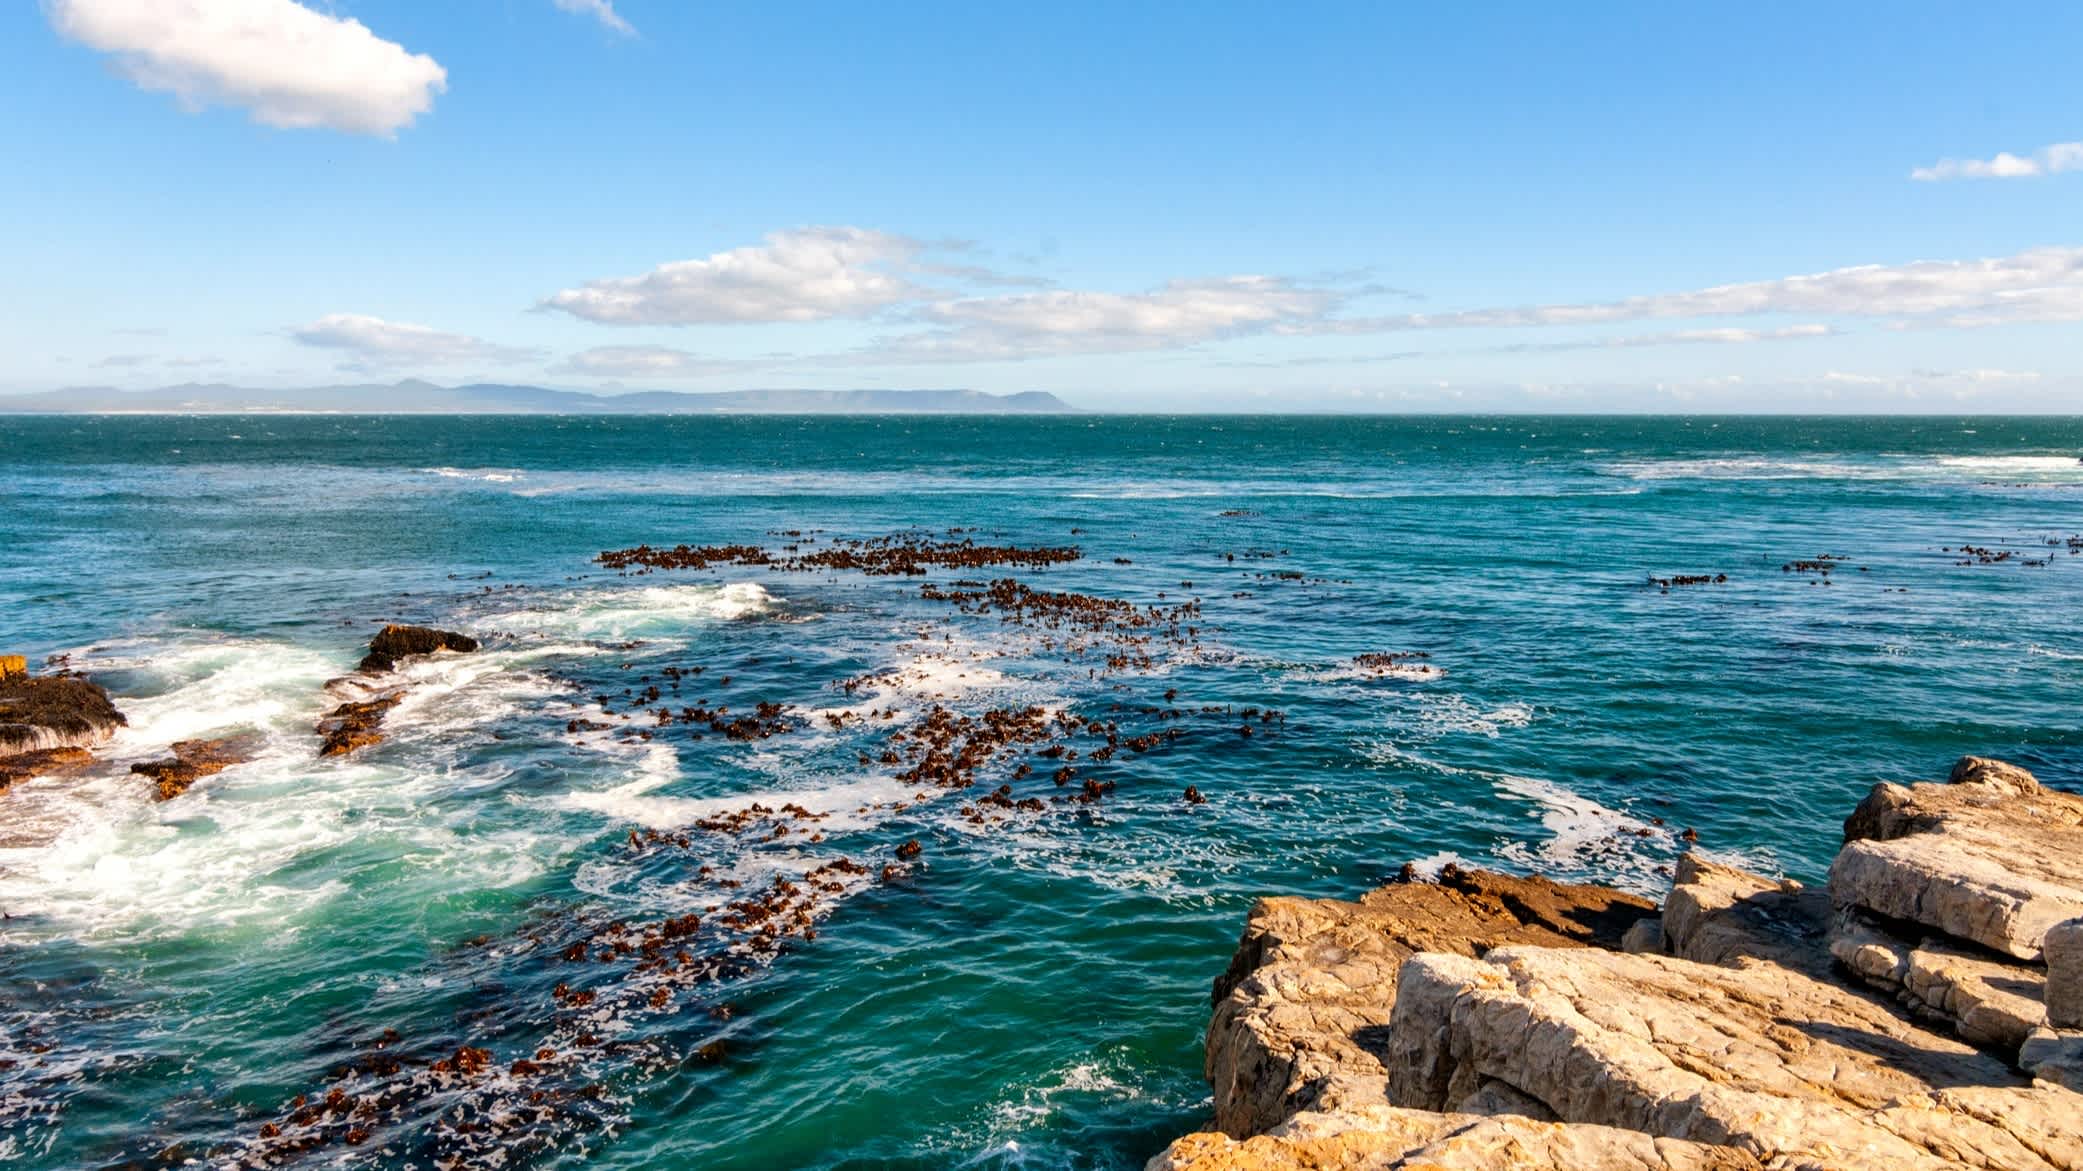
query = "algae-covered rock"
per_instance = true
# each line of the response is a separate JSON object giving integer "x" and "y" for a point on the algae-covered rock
{"x": 192, "y": 760}
{"x": 54, "y": 711}
{"x": 395, "y": 642}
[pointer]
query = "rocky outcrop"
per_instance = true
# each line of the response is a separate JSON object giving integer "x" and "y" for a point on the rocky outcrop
{"x": 48, "y": 722}
{"x": 1307, "y": 996}
{"x": 357, "y": 722}
{"x": 394, "y": 643}
{"x": 53, "y": 711}
{"x": 2054, "y": 1056}
{"x": 1757, "y": 1057}
{"x": 21, "y": 766}
{"x": 1990, "y": 858}
{"x": 1741, "y": 1028}
{"x": 1377, "y": 1137}
{"x": 1989, "y": 1000}
{"x": 192, "y": 760}
{"x": 1716, "y": 914}
{"x": 2064, "y": 992}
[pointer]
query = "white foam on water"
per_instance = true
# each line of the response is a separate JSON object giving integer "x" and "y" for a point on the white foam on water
{"x": 649, "y": 612}
{"x": 1944, "y": 468}
{"x": 266, "y": 844}
{"x": 1014, "y": 1131}
{"x": 2008, "y": 464}
{"x": 931, "y": 672}
{"x": 2051, "y": 653}
{"x": 1429, "y": 867}
{"x": 1584, "y": 837}
{"x": 1399, "y": 672}
{"x": 1442, "y": 715}
{"x": 1746, "y": 468}
{"x": 487, "y": 475}
{"x": 638, "y": 802}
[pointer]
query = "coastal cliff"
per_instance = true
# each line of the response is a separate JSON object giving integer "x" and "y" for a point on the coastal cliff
{"x": 1923, "y": 1011}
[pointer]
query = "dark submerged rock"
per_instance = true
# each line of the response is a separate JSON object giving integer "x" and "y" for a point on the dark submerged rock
{"x": 395, "y": 642}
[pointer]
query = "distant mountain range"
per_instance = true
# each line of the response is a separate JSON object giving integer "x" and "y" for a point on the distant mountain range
{"x": 414, "y": 397}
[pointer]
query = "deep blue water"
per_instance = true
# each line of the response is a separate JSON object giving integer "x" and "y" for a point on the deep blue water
{"x": 1026, "y": 994}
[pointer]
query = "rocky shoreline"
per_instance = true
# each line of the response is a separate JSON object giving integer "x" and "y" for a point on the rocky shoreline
{"x": 1925, "y": 1010}
{"x": 50, "y": 723}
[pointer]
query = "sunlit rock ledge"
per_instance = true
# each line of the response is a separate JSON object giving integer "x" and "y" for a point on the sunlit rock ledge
{"x": 1925, "y": 1011}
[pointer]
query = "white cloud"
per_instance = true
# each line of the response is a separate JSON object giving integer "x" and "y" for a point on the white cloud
{"x": 601, "y": 10}
{"x": 1675, "y": 337}
{"x": 1980, "y": 377}
{"x": 284, "y": 63}
{"x": 1180, "y": 313}
{"x": 372, "y": 342}
{"x": 645, "y": 362}
{"x": 807, "y": 274}
{"x": 2040, "y": 284}
{"x": 2048, "y": 160}
{"x": 829, "y": 273}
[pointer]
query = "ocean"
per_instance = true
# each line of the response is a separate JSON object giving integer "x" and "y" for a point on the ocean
{"x": 539, "y": 924}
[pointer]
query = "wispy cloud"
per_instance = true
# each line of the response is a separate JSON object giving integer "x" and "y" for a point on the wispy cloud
{"x": 600, "y": 10}
{"x": 850, "y": 273}
{"x": 285, "y": 64}
{"x": 1676, "y": 337}
{"x": 646, "y": 362}
{"x": 2048, "y": 160}
{"x": 2040, "y": 284}
{"x": 373, "y": 343}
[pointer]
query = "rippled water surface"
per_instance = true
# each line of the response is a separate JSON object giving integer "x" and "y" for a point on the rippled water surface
{"x": 1029, "y": 991}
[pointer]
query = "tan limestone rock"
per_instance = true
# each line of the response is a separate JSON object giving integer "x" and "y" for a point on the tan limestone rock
{"x": 1791, "y": 1068}
{"x": 1990, "y": 858}
{"x": 1385, "y": 1137}
{"x": 1308, "y": 995}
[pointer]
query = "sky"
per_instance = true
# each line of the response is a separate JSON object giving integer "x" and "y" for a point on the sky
{"x": 1138, "y": 206}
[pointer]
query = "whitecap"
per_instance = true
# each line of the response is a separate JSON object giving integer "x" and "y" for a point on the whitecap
{"x": 640, "y": 612}
{"x": 267, "y": 844}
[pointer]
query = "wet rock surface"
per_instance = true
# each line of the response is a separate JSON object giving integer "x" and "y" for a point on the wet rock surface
{"x": 357, "y": 722}
{"x": 53, "y": 711}
{"x": 394, "y": 643}
{"x": 1755, "y": 1023}
{"x": 21, "y": 766}
{"x": 192, "y": 760}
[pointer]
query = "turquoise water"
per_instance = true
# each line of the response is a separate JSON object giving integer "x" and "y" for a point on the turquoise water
{"x": 1024, "y": 994}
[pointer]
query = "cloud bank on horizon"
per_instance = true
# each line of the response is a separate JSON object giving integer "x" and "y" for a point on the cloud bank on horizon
{"x": 861, "y": 301}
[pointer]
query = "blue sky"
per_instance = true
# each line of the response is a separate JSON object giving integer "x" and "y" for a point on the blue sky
{"x": 1212, "y": 206}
